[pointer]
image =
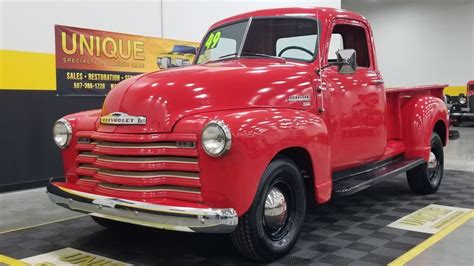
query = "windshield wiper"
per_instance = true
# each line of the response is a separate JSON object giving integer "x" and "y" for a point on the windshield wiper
{"x": 255, "y": 54}
{"x": 265, "y": 55}
{"x": 227, "y": 55}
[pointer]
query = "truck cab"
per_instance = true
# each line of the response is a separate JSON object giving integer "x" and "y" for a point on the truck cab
{"x": 279, "y": 106}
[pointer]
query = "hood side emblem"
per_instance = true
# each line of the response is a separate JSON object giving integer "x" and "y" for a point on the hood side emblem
{"x": 119, "y": 118}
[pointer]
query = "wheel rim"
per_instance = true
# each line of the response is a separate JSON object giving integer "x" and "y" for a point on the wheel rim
{"x": 433, "y": 169}
{"x": 277, "y": 213}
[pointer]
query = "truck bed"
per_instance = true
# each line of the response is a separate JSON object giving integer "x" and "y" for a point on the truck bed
{"x": 435, "y": 87}
{"x": 397, "y": 96}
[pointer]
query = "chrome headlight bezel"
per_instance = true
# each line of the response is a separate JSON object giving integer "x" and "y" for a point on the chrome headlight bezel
{"x": 225, "y": 133}
{"x": 462, "y": 100}
{"x": 68, "y": 132}
{"x": 178, "y": 62}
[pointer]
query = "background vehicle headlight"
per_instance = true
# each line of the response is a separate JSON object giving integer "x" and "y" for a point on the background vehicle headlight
{"x": 462, "y": 100}
{"x": 178, "y": 62}
{"x": 216, "y": 138}
{"x": 185, "y": 62}
{"x": 164, "y": 62}
{"x": 62, "y": 133}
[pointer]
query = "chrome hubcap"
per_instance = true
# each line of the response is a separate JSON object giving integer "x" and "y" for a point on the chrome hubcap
{"x": 433, "y": 165}
{"x": 432, "y": 162}
{"x": 276, "y": 212}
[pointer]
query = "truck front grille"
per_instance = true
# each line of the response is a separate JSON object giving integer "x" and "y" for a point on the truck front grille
{"x": 140, "y": 166}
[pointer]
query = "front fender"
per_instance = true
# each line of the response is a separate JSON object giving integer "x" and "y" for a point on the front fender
{"x": 257, "y": 137}
{"x": 420, "y": 115}
{"x": 82, "y": 121}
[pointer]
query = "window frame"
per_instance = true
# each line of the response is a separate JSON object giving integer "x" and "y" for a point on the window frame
{"x": 368, "y": 40}
{"x": 201, "y": 44}
{"x": 250, "y": 20}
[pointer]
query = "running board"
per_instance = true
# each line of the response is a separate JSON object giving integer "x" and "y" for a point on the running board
{"x": 355, "y": 183}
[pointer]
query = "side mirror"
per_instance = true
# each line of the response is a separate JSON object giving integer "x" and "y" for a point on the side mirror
{"x": 346, "y": 61}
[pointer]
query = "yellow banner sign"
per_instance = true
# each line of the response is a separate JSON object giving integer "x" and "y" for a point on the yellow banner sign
{"x": 91, "y": 62}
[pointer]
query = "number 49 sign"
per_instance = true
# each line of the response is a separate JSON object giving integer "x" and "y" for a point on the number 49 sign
{"x": 213, "y": 40}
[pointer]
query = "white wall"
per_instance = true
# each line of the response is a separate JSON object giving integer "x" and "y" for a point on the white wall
{"x": 472, "y": 39}
{"x": 29, "y": 25}
{"x": 189, "y": 20}
{"x": 421, "y": 41}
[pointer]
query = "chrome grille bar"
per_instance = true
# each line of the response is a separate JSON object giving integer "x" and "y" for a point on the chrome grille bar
{"x": 150, "y": 188}
{"x": 156, "y": 159}
{"x": 150, "y": 174}
{"x": 124, "y": 145}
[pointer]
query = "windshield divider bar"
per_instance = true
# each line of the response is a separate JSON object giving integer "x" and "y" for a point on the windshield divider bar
{"x": 244, "y": 38}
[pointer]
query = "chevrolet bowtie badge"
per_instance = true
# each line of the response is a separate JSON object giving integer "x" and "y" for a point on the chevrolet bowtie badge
{"x": 118, "y": 118}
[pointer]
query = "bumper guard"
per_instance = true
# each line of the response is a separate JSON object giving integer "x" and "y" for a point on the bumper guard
{"x": 197, "y": 220}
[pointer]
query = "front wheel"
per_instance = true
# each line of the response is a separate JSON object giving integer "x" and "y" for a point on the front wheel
{"x": 426, "y": 178}
{"x": 271, "y": 226}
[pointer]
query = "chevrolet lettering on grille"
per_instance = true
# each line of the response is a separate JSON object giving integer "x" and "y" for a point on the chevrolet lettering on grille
{"x": 118, "y": 118}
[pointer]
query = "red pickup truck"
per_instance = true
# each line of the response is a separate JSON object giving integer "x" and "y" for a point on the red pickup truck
{"x": 279, "y": 106}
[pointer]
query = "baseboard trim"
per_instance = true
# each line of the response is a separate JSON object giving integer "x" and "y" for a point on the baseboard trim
{"x": 23, "y": 185}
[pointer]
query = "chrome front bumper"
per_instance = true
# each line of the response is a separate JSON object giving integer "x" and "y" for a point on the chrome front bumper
{"x": 462, "y": 114}
{"x": 146, "y": 214}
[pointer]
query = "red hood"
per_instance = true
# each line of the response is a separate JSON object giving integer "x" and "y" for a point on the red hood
{"x": 167, "y": 96}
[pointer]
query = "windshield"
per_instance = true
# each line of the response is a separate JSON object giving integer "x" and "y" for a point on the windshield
{"x": 183, "y": 49}
{"x": 288, "y": 38}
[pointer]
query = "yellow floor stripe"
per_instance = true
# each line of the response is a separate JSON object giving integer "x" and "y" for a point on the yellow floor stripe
{"x": 36, "y": 225}
{"x": 20, "y": 70}
{"x": 402, "y": 260}
{"x": 4, "y": 260}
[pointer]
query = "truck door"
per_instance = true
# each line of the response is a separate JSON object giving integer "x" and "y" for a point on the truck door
{"x": 357, "y": 101}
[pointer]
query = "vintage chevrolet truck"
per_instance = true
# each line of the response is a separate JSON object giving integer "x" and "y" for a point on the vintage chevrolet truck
{"x": 280, "y": 106}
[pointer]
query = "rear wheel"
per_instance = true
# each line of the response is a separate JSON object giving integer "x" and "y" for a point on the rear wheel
{"x": 271, "y": 226}
{"x": 426, "y": 178}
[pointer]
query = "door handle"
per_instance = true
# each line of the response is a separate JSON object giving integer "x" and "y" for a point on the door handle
{"x": 321, "y": 90}
{"x": 377, "y": 81}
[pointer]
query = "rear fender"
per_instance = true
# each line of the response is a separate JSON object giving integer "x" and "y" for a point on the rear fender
{"x": 257, "y": 137}
{"x": 419, "y": 117}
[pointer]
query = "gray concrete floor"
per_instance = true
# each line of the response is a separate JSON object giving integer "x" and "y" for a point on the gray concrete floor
{"x": 459, "y": 154}
{"x": 32, "y": 207}
{"x": 454, "y": 249}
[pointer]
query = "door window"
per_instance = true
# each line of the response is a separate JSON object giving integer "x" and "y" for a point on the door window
{"x": 345, "y": 36}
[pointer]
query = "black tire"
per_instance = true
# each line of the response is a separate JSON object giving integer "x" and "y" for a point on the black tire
{"x": 110, "y": 224}
{"x": 426, "y": 178}
{"x": 265, "y": 238}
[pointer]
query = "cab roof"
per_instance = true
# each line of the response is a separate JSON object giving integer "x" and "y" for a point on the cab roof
{"x": 322, "y": 13}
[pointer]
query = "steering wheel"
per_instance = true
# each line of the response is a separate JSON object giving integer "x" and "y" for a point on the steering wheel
{"x": 295, "y": 48}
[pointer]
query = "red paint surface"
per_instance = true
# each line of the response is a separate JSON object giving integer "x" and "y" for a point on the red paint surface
{"x": 363, "y": 122}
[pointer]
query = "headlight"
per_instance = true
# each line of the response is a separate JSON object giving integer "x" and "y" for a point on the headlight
{"x": 178, "y": 62}
{"x": 462, "y": 100}
{"x": 62, "y": 133}
{"x": 185, "y": 62}
{"x": 216, "y": 138}
{"x": 164, "y": 62}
